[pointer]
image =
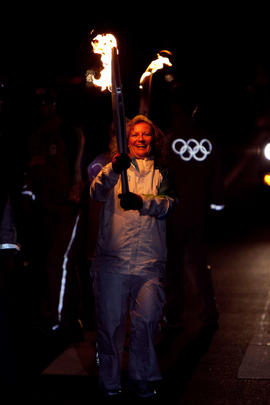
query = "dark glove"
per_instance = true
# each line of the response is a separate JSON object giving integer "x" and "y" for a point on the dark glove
{"x": 120, "y": 161}
{"x": 130, "y": 201}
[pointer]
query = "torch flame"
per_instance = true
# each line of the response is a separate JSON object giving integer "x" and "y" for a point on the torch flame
{"x": 103, "y": 44}
{"x": 155, "y": 65}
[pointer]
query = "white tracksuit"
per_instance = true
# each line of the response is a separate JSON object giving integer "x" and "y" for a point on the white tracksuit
{"x": 128, "y": 268}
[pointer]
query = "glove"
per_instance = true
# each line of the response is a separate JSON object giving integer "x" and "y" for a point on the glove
{"x": 120, "y": 162}
{"x": 131, "y": 201}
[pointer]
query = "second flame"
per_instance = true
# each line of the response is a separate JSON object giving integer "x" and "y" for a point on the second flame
{"x": 154, "y": 66}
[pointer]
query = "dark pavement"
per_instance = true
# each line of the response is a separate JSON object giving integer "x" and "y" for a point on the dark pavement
{"x": 241, "y": 275}
{"x": 240, "y": 260}
{"x": 199, "y": 367}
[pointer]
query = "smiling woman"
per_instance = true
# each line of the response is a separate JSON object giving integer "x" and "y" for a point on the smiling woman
{"x": 140, "y": 140}
{"x": 145, "y": 139}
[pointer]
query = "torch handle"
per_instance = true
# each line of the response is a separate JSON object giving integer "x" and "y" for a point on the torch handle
{"x": 145, "y": 96}
{"x": 124, "y": 181}
{"x": 119, "y": 114}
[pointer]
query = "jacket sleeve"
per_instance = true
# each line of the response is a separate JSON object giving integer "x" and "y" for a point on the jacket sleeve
{"x": 161, "y": 204}
{"x": 103, "y": 183}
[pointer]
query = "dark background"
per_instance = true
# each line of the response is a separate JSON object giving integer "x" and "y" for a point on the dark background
{"x": 215, "y": 63}
{"x": 44, "y": 46}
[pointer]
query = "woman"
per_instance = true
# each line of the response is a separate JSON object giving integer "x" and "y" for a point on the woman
{"x": 130, "y": 258}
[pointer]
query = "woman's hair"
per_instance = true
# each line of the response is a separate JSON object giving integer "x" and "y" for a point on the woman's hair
{"x": 159, "y": 139}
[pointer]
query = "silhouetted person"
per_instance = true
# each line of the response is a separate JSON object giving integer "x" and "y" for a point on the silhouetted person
{"x": 194, "y": 162}
{"x": 56, "y": 150}
{"x": 12, "y": 342}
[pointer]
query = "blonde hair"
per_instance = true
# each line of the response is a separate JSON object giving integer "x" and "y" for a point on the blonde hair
{"x": 159, "y": 140}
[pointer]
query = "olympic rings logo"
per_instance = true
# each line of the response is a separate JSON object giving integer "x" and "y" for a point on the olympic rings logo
{"x": 192, "y": 149}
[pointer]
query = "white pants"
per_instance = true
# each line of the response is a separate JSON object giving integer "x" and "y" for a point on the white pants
{"x": 143, "y": 297}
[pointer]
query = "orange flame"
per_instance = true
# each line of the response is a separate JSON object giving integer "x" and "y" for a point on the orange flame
{"x": 103, "y": 44}
{"x": 155, "y": 65}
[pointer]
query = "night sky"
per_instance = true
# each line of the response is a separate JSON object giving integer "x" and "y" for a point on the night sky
{"x": 37, "y": 48}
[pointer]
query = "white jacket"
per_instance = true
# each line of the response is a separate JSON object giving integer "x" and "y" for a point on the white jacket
{"x": 132, "y": 242}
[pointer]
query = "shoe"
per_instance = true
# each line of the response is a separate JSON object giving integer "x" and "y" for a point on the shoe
{"x": 114, "y": 396}
{"x": 141, "y": 389}
{"x": 152, "y": 399}
{"x": 71, "y": 333}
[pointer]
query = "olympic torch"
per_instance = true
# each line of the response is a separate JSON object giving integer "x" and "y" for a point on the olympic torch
{"x": 110, "y": 79}
{"x": 146, "y": 80}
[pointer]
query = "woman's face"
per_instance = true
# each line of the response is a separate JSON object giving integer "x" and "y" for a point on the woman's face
{"x": 140, "y": 140}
